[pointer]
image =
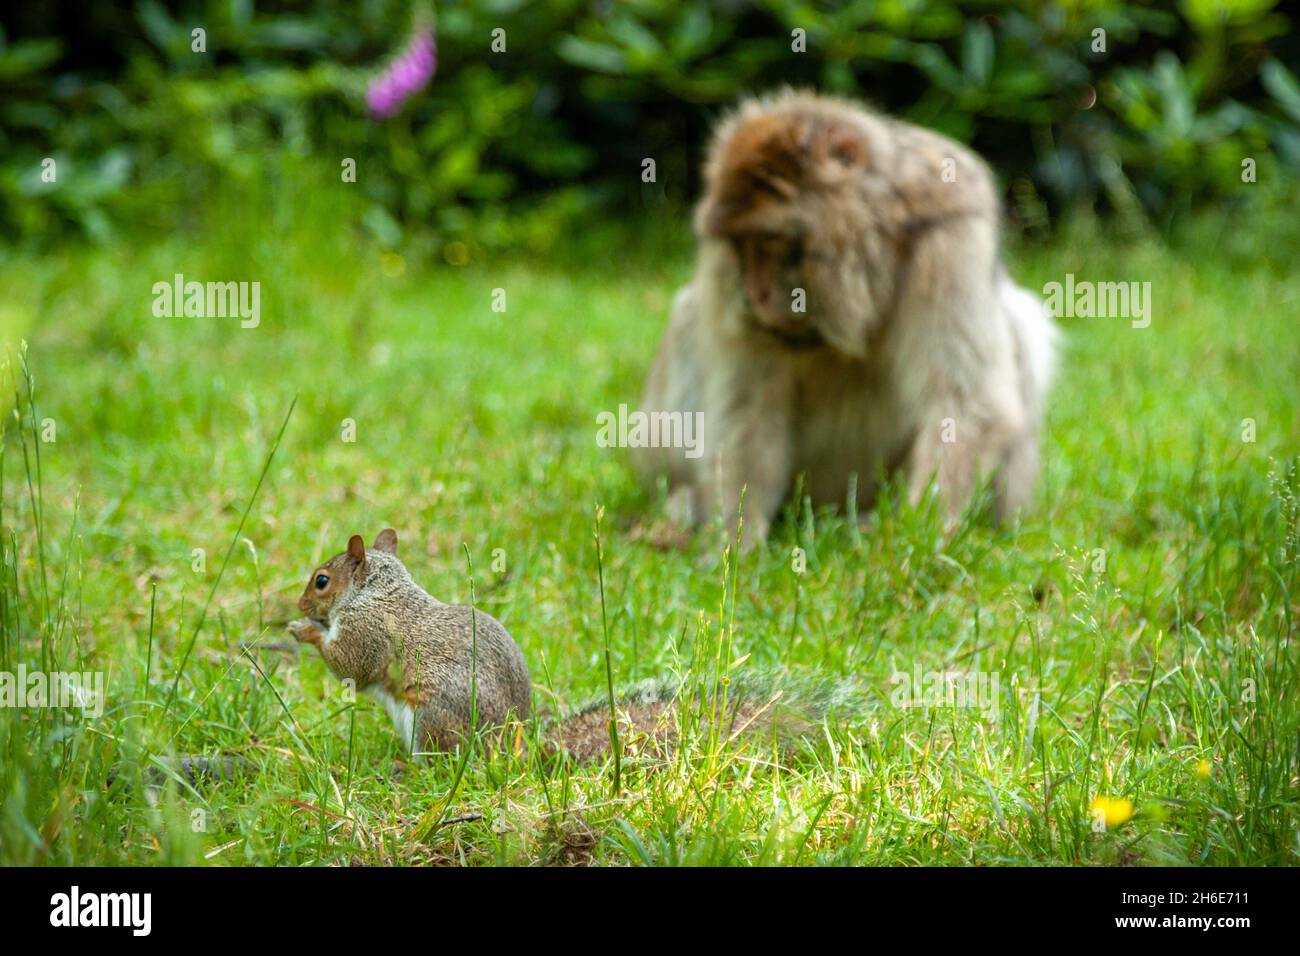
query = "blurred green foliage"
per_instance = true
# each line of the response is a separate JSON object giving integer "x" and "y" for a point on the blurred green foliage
{"x": 517, "y": 147}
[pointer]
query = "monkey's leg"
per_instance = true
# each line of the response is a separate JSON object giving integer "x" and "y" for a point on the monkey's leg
{"x": 682, "y": 507}
{"x": 673, "y": 386}
{"x": 950, "y": 471}
{"x": 1036, "y": 347}
{"x": 756, "y": 501}
{"x": 961, "y": 445}
{"x": 1016, "y": 476}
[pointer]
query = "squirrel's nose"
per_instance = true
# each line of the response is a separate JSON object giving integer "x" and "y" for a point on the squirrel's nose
{"x": 302, "y": 604}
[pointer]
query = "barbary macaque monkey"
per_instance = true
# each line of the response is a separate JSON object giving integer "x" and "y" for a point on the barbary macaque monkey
{"x": 849, "y": 318}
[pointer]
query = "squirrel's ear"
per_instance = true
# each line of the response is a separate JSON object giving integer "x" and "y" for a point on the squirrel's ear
{"x": 386, "y": 540}
{"x": 356, "y": 548}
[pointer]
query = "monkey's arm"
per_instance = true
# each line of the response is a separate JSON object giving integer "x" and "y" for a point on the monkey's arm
{"x": 956, "y": 364}
{"x": 744, "y": 441}
{"x": 672, "y": 386}
{"x": 751, "y": 446}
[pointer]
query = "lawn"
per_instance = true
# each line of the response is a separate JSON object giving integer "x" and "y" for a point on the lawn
{"x": 1138, "y": 621}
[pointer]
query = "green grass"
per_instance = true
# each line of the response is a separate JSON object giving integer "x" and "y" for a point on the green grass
{"x": 475, "y": 431}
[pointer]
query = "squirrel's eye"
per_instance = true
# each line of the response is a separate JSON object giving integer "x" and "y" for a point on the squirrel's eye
{"x": 322, "y": 582}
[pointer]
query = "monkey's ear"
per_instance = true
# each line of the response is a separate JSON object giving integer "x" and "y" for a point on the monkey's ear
{"x": 356, "y": 548}
{"x": 386, "y": 540}
{"x": 840, "y": 145}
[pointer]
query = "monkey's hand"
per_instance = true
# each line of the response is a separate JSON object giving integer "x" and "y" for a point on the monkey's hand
{"x": 753, "y": 532}
{"x": 750, "y": 477}
{"x": 749, "y": 506}
{"x": 307, "y": 631}
{"x": 952, "y": 468}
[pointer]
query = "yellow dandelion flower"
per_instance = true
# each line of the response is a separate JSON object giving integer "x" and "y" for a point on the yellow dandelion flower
{"x": 1203, "y": 769}
{"x": 1111, "y": 810}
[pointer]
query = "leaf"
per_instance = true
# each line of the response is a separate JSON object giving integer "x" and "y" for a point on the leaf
{"x": 693, "y": 32}
{"x": 289, "y": 33}
{"x": 591, "y": 55}
{"x": 457, "y": 166}
{"x": 382, "y": 225}
{"x": 931, "y": 59}
{"x": 29, "y": 56}
{"x": 977, "y": 52}
{"x": 1175, "y": 89}
{"x": 157, "y": 24}
{"x": 1282, "y": 85}
{"x": 636, "y": 38}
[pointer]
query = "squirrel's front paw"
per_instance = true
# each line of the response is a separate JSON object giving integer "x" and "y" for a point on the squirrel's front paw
{"x": 306, "y": 630}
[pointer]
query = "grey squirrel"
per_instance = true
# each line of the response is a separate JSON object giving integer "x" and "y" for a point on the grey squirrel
{"x": 434, "y": 666}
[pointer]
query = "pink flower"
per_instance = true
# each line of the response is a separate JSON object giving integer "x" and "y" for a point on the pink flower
{"x": 409, "y": 73}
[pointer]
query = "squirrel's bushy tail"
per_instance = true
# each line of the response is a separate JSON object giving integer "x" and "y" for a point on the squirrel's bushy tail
{"x": 759, "y": 706}
{"x": 654, "y": 718}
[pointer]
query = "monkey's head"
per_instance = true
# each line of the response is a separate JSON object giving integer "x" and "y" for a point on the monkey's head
{"x": 784, "y": 197}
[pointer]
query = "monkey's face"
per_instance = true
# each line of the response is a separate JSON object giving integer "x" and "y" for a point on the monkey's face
{"x": 772, "y": 270}
{"x": 784, "y": 197}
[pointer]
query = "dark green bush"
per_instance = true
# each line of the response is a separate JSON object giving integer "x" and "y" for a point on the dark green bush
{"x": 514, "y": 147}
